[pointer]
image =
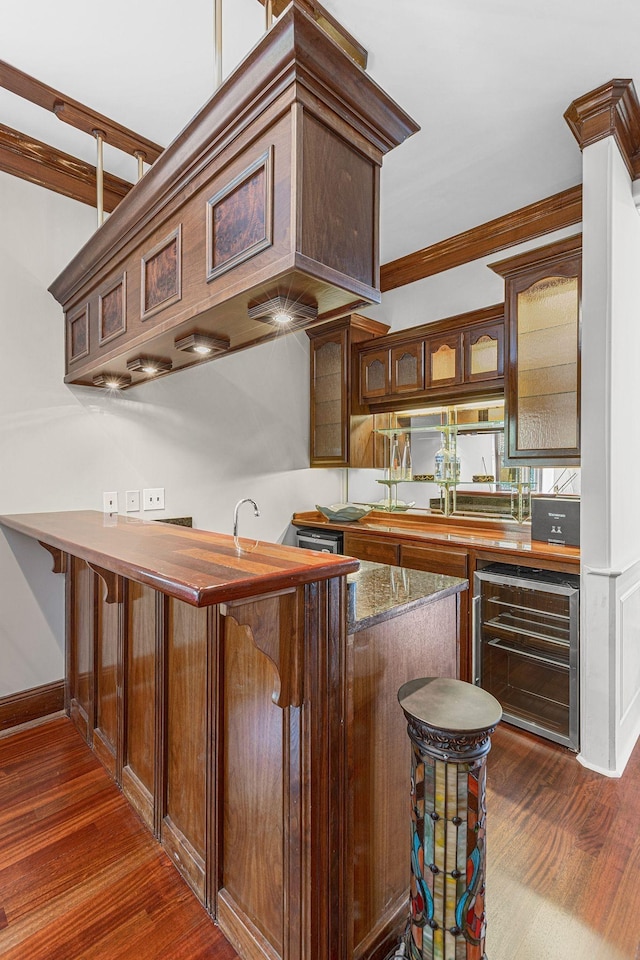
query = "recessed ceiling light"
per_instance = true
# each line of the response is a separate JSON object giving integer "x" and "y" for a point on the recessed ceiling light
{"x": 202, "y": 343}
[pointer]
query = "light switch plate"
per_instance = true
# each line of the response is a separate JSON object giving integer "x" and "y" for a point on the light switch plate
{"x": 110, "y": 502}
{"x": 153, "y": 498}
{"x": 132, "y": 500}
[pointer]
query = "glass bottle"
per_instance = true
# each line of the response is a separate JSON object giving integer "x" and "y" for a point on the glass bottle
{"x": 407, "y": 467}
{"x": 395, "y": 463}
{"x": 442, "y": 469}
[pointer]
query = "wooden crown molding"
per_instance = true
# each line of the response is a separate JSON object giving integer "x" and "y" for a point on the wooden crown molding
{"x": 551, "y": 253}
{"x": 535, "y": 220}
{"x": 39, "y": 163}
{"x": 76, "y": 114}
{"x": 611, "y": 110}
{"x": 330, "y": 26}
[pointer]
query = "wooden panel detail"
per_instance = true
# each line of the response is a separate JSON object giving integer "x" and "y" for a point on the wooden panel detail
{"x": 59, "y": 558}
{"x": 32, "y": 704}
{"x": 535, "y": 220}
{"x": 371, "y": 548}
{"x": 138, "y": 778}
{"x": 39, "y": 163}
{"x": 109, "y": 645}
{"x": 448, "y": 561}
{"x": 270, "y": 623}
{"x": 330, "y": 26}
{"x": 339, "y": 217}
{"x": 112, "y": 310}
{"x": 253, "y": 744}
{"x": 185, "y": 798}
{"x": 78, "y": 334}
{"x": 161, "y": 283}
{"x": 611, "y": 110}
{"x": 381, "y": 658}
{"x": 81, "y": 643}
{"x": 240, "y": 217}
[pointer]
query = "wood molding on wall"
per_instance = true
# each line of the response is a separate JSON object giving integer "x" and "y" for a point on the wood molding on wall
{"x": 32, "y": 704}
{"x": 561, "y": 210}
{"x": 76, "y": 114}
{"x": 39, "y": 163}
{"x": 611, "y": 110}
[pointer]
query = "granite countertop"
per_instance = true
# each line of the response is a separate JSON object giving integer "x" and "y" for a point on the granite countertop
{"x": 378, "y": 591}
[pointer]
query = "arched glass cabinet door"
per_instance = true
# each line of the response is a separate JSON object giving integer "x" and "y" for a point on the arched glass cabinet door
{"x": 407, "y": 368}
{"x": 542, "y": 312}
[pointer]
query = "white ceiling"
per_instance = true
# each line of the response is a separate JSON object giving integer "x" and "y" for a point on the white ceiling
{"x": 487, "y": 82}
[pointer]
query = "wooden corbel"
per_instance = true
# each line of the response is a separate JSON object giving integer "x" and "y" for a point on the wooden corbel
{"x": 59, "y": 557}
{"x": 113, "y": 583}
{"x": 271, "y": 623}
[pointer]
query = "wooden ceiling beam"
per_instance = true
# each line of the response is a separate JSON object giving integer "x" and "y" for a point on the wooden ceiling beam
{"x": 39, "y": 163}
{"x": 535, "y": 220}
{"x": 76, "y": 114}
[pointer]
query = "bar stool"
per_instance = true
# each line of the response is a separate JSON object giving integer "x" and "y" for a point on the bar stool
{"x": 449, "y": 724}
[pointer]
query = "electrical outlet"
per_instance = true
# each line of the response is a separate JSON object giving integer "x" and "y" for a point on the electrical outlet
{"x": 153, "y": 498}
{"x": 110, "y": 502}
{"x": 132, "y": 500}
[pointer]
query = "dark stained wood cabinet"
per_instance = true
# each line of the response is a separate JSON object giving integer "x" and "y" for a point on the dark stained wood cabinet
{"x": 241, "y": 726}
{"x": 339, "y": 435}
{"x": 271, "y": 191}
{"x": 460, "y": 358}
{"x": 542, "y": 310}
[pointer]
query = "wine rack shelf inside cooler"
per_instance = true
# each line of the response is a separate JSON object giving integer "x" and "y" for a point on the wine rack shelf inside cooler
{"x": 526, "y": 647}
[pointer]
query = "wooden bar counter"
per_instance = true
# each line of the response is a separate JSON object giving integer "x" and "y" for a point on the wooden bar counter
{"x": 243, "y": 698}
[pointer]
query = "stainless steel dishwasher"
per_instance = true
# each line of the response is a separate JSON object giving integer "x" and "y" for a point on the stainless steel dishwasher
{"x": 525, "y": 624}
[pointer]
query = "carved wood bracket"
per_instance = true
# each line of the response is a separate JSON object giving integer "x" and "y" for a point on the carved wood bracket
{"x": 114, "y": 592}
{"x": 272, "y": 625}
{"x": 59, "y": 557}
{"x": 611, "y": 110}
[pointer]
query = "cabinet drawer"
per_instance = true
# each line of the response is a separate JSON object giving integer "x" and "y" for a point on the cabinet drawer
{"x": 368, "y": 548}
{"x": 451, "y": 562}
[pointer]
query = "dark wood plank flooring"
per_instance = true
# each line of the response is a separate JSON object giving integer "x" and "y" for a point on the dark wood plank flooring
{"x": 82, "y": 879}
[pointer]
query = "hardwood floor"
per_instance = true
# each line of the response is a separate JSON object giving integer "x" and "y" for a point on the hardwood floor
{"x": 80, "y": 876}
{"x": 82, "y": 879}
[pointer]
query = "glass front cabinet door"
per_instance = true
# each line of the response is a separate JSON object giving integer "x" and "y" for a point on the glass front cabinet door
{"x": 542, "y": 312}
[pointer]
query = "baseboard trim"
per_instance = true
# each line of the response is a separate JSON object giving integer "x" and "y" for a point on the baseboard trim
{"x": 32, "y": 704}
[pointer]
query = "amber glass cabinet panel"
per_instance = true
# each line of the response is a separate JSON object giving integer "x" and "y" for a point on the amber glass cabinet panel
{"x": 444, "y": 361}
{"x": 542, "y": 305}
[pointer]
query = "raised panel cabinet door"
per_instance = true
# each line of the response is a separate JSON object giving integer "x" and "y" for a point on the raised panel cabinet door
{"x": 444, "y": 361}
{"x": 374, "y": 374}
{"x": 484, "y": 353}
{"x": 407, "y": 368}
{"x": 107, "y": 735}
{"x": 329, "y": 401}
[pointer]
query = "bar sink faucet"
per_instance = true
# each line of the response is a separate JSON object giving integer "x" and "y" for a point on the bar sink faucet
{"x": 256, "y": 512}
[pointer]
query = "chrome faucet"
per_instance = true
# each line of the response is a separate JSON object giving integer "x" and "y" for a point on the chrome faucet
{"x": 256, "y": 512}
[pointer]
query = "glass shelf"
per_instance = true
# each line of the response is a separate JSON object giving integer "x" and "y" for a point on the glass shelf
{"x": 484, "y": 426}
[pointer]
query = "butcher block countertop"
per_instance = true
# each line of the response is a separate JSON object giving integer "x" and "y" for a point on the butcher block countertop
{"x": 496, "y": 536}
{"x": 196, "y": 566}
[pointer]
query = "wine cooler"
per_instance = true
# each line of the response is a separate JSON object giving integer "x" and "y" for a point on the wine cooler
{"x": 526, "y": 647}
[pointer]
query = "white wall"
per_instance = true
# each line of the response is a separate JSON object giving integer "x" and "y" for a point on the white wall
{"x": 234, "y": 427}
{"x": 610, "y": 542}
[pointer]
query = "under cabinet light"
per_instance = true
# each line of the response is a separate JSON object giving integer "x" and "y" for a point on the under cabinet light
{"x": 202, "y": 343}
{"x": 149, "y": 365}
{"x": 112, "y": 381}
{"x": 283, "y": 312}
